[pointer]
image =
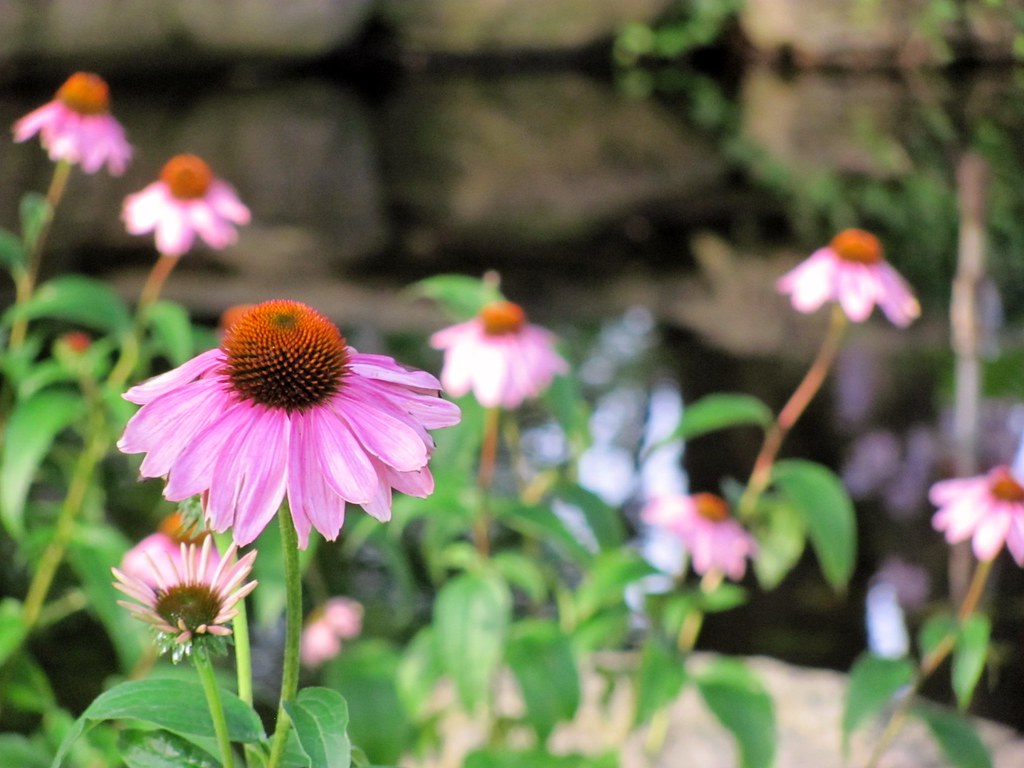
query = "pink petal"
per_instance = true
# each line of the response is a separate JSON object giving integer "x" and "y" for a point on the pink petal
{"x": 341, "y": 457}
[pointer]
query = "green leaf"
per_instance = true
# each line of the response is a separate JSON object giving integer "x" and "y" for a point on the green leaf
{"x": 603, "y": 520}
{"x": 75, "y": 299}
{"x": 418, "y": 672}
{"x": 542, "y": 524}
{"x": 177, "y": 706}
{"x": 12, "y": 253}
{"x": 12, "y": 628}
{"x": 320, "y": 717}
{"x": 739, "y": 701}
{"x": 819, "y": 498}
{"x": 542, "y": 660}
{"x": 471, "y": 617}
{"x": 662, "y": 677}
{"x": 781, "y": 537}
{"x": 936, "y": 629}
{"x": 522, "y": 572}
{"x": 969, "y": 656}
{"x": 17, "y": 750}
{"x": 460, "y": 296}
{"x": 94, "y": 549}
{"x": 366, "y": 673}
{"x": 721, "y": 411}
{"x": 161, "y": 749}
{"x": 36, "y": 213}
{"x": 609, "y": 576}
{"x": 955, "y": 737}
{"x": 33, "y": 425}
{"x": 172, "y": 331}
{"x": 873, "y": 682}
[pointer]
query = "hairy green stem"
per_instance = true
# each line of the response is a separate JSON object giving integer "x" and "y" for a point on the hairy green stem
{"x": 293, "y": 633}
{"x": 213, "y": 701}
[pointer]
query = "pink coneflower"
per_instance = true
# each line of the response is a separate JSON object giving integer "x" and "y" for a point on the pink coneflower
{"x": 715, "y": 540}
{"x": 77, "y": 126}
{"x": 852, "y": 271}
{"x": 195, "y": 603}
{"x": 285, "y": 406}
{"x": 988, "y": 509}
{"x": 340, "y": 618}
{"x": 187, "y": 200}
{"x": 499, "y": 356}
{"x": 161, "y": 550}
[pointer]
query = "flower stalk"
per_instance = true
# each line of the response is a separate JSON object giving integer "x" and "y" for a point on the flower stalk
{"x": 293, "y": 634}
{"x": 220, "y": 727}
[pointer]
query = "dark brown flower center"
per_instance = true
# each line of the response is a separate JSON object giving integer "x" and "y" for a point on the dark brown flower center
{"x": 284, "y": 354}
{"x": 187, "y": 176}
{"x": 858, "y": 246}
{"x": 711, "y": 507}
{"x": 502, "y": 317}
{"x": 1004, "y": 486}
{"x": 85, "y": 93}
{"x": 195, "y": 606}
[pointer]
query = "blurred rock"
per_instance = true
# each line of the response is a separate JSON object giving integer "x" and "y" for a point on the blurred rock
{"x": 495, "y": 26}
{"x": 858, "y": 34}
{"x": 165, "y": 34}
{"x": 533, "y": 159}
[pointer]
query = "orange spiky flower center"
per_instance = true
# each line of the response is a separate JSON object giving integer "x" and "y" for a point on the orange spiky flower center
{"x": 1004, "y": 486}
{"x": 858, "y": 246}
{"x": 711, "y": 507}
{"x": 502, "y": 317}
{"x": 187, "y": 176}
{"x": 85, "y": 93}
{"x": 285, "y": 355}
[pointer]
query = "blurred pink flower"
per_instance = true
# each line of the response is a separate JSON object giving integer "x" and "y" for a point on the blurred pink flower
{"x": 714, "y": 539}
{"x": 198, "y": 598}
{"x": 988, "y": 509}
{"x": 187, "y": 200}
{"x": 159, "y": 552}
{"x": 77, "y": 126}
{"x": 340, "y": 618}
{"x": 498, "y": 355}
{"x": 285, "y": 406}
{"x": 852, "y": 271}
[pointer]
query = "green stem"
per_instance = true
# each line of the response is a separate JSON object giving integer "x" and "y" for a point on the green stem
{"x": 240, "y": 630}
{"x": 293, "y": 633}
{"x": 485, "y": 477}
{"x": 212, "y": 691}
{"x": 25, "y": 281}
{"x": 931, "y": 662}
{"x": 791, "y": 412}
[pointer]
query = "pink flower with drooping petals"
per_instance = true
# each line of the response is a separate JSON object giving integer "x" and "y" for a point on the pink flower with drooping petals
{"x": 988, "y": 509}
{"x": 159, "y": 551}
{"x": 499, "y": 356}
{"x": 77, "y": 126}
{"x": 186, "y": 201}
{"x": 285, "y": 407}
{"x": 852, "y": 271}
{"x": 715, "y": 540}
{"x": 190, "y": 598}
{"x": 340, "y": 618}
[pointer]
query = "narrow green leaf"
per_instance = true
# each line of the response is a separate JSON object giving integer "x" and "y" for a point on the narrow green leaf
{"x": 603, "y": 520}
{"x": 17, "y": 750}
{"x": 320, "y": 717}
{"x": 956, "y": 738}
{"x": 936, "y": 629}
{"x": 31, "y": 429}
{"x": 35, "y": 212}
{"x": 471, "y": 617}
{"x": 12, "y": 253}
{"x": 542, "y": 660}
{"x": 162, "y": 749}
{"x": 460, "y": 296}
{"x": 721, "y": 411}
{"x": 819, "y": 498}
{"x": 177, "y": 706}
{"x": 522, "y": 572}
{"x": 873, "y": 683}
{"x": 75, "y": 299}
{"x": 536, "y": 758}
{"x": 542, "y": 524}
{"x": 662, "y": 677}
{"x": 781, "y": 537}
{"x": 969, "y": 656}
{"x": 418, "y": 672}
{"x": 172, "y": 331}
{"x": 741, "y": 704}
{"x": 12, "y": 628}
{"x": 609, "y": 576}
